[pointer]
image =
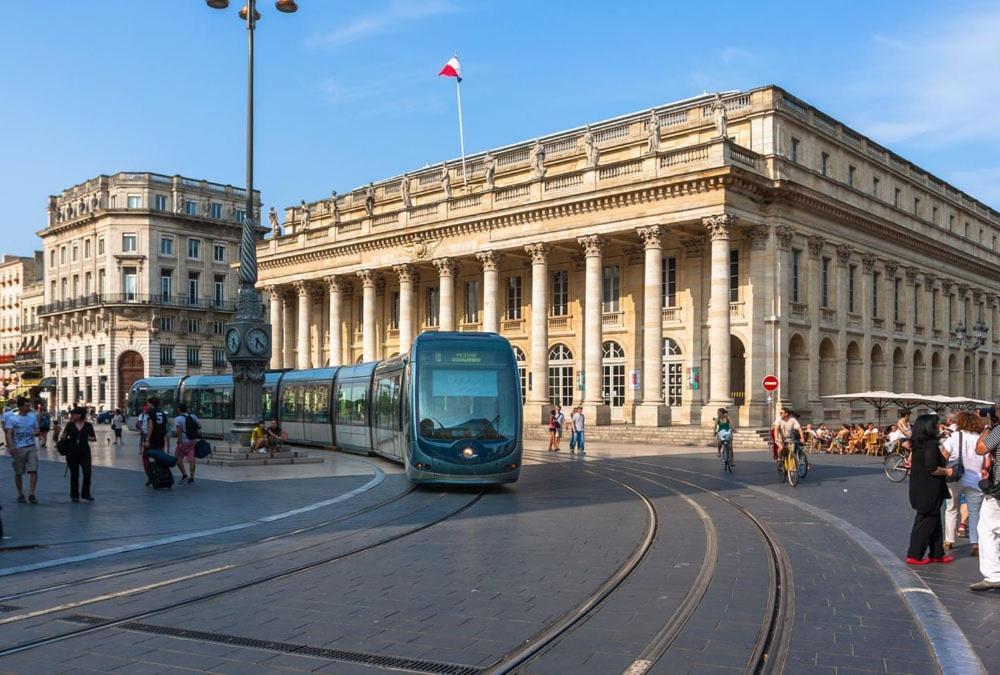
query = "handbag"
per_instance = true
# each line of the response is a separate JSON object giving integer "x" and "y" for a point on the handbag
{"x": 202, "y": 449}
{"x": 64, "y": 445}
{"x": 957, "y": 467}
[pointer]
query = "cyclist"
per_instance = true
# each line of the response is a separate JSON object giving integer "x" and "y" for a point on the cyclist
{"x": 787, "y": 430}
{"x": 724, "y": 434}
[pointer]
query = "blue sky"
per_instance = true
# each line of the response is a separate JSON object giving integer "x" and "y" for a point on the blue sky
{"x": 347, "y": 89}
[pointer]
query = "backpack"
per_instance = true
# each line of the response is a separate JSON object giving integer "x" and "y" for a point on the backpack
{"x": 191, "y": 427}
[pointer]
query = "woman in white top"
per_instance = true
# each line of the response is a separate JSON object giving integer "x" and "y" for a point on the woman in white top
{"x": 970, "y": 426}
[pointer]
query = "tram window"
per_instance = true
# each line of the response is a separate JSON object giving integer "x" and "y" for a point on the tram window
{"x": 352, "y": 403}
{"x": 291, "y": 404}
{"x": 267, "y": 403}
{"x": 387, "y": 402}
{"x": 315, "y": 404}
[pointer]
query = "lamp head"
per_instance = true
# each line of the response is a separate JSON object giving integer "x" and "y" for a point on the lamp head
{"x": 286, "y": 6}
{"x": 217, "y": 4}
{"x": 243, "y": 14}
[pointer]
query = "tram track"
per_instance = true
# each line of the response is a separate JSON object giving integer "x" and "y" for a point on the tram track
{"x": 105, "y": 624}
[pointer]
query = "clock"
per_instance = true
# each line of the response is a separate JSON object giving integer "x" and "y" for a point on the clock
{"x": 257, "y": 340}
{"x": 232, "y": 341}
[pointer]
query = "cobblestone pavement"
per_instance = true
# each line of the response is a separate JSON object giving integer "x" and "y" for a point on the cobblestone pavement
{"x": 352, "y": 570}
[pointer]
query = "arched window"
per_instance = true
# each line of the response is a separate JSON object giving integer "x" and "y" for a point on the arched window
{"x": 560, "y": 375}
{"x": 522, "y": 372}
{"x": 613, "y": 370}
{"x": 673, "y": 373}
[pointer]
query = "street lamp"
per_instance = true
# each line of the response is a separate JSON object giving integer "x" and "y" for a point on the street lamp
{"x": 972, "y": 343}
{"x": 248, "y": 337}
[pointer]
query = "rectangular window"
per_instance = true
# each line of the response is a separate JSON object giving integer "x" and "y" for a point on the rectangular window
{"x": 394, "y": 311}
{"x": 560, "y": 293}
{"x": 160, "y": 202}
{"x": 895, "y": 197}
{"x": 875, "y": 189}
{"x": 668, "y": 282}
{"x": 102, "y": 388}
{"x": 934, "y": 214}
{"x": 825, "y": 286}
{"x": 193, "y": 290}
{"x": 75, "y": 255}
{"x": 88, "y": 283}
{"x": 951, "y": 222}
{"x": 220, "y": 291}
{"x": 218, "y": 327}
{"x": 824, "y": 163}
{"x": 852, "y": 274}
{"x": 76, "y": 356}
{"x": 167, "y": 246}
{"x": 218, "y": 357}
{"x": 876, "y": 283}
{"x": 101, "y": 281}
{"x": 194, "y": 326}
{"x": 611, "y": 300}
{"x": 52, "y": 358}
{"x": 86, "y": 249}
{"x": 100, "y": 355}
{"x": 130, "y": 243}
{"x": 916, "y": 206}
{"x": 513, "y": 311}
{"x": 166, "y": 355}
{"x": 734, "y": 275}
{"x": 130, "y": 284}
{"x": 191, "y": 208}
{"x": 917, "y": 294}
{"x": 795, "y": 149}
{"x": 934, "y": 303}
{"x": 241, "y": 214}
{"x": 65, "y": 360}
{"x": 166, "y": 324}
{"x": 796, "y": 256}
{"x": 63, "y": 284}
{"x": 219, "y": 253}
{"x": 52, "y": 258}
{"x": 62, "y": 255}
{"x": 216, "y": 210}
{"x": 76, "y": 285}
{"x": 100, "y": 246}
{"x": 472, "y": 302}
{"x": 166, "y": 285}
{"x": 895, "y": 299}
{"x": 433, "y": 304}
{"x": 851, "y": 173}
{"x": 194, "y": 249}
{"x": 88, "y": 355}
{"x": 135, "y": 201}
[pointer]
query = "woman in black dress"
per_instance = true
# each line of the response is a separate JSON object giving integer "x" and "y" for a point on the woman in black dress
{"x": 928, "y": 490}
{"x": 76, "y": 438}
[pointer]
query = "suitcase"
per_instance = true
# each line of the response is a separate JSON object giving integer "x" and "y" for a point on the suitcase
{"x": 161, "y": 457}
{"x": 160, "y": 476}
{"x": 202, "y": 449}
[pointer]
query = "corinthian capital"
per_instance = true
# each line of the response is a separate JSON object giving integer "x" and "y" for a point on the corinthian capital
{"x": 784, "y": 235}
{"x": 539, "y": 253}
{"x": 651, "y": 236}
{"x": 303, "y": 288}
{"x": 591, "y": 244}
{"x": 405, "y": 272}
{"x": 334, "y": 282}
{"x": 489, "y": 260}
{"x": 367, "y": 278}
{"x": 816, "y": 244}
{"x": 445, "y": 266}
{"x": 758, "y": 236}
{"x": 719, "y": 227}
{"x": 868, "y": 263}
{"x": 844, "y": 255}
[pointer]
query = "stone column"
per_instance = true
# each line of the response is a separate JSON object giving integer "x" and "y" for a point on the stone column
{"x": 288, "y": 330}
{"x": 335, "y": 288}
{"x": 718, "y": 314}
{"x": 652, "y": 412}
{"x": 843, "y": 289}
{"x": 368, "y": 320}
{"x": 781, "y": 309}
{"x": 406, "y": 275}
{"x": 867, "y": 293}
{"x": 491, "y": 289}
{"x": 446, "y": 310}
{"x": 538, "y": 391}
{"x": 593, "y": 333}
{"x": 815, "y": 300}
{"x": 276, "y": 315}
{"x": 302, "y": 360}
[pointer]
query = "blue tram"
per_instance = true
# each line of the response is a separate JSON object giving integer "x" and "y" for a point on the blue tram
{"x": 449, "y": 410}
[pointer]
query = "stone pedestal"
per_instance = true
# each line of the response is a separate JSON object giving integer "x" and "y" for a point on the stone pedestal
{"x": 537, "y": 413}
{"x": 593, "y": 414}
{"x": 652, "y": 415}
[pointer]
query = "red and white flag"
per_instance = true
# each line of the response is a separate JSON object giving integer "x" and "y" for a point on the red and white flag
{"x": 452, "y": 69}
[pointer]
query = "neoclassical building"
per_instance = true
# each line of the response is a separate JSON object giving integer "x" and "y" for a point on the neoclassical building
{"x": 16, "y": 274}
{"x": 139, "y": 281}
{"x": 657, "y": 266}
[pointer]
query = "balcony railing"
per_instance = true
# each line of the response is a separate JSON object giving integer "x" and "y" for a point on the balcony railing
{"x": 671, "y": 314}
{"x": 613, "y": 319}
{"x": 736, "y": 310}
{"x": 561, "y": 322}
{"x": 100, "y": 299}
{"x": 512, "y": 325}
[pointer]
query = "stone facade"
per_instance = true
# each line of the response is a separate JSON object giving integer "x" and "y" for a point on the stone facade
{"x": 672, "y": 258}
{"x": 16, "y": 272}
{"x": 139, "y": 281}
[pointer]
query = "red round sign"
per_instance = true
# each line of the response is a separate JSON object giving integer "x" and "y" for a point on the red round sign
{"x": 770, "y": 383}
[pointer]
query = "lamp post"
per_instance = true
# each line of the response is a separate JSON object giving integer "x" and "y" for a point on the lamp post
{"x": 248, "y": 337}
{"x": 971, "y": 343}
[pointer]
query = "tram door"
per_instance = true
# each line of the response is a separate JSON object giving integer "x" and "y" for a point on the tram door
{"x": 387, "y": 419}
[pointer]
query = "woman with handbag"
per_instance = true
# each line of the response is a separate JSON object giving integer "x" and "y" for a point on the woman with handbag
{"x": 74, "y": 443}
{"x": 962, "y": 457}
{"x": 928, "y": 490}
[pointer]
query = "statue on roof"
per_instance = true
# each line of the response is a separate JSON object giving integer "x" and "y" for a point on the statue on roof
{"x": 370, "y": 199}
{"x": 272, "y": 217}
{"x": 590, "y": 147}
{"x": 490, "y": 167}
{"x": 653, "y": 132}
{"x": 538, "y": 158}
{"x": 719, "y": 117}
{"x": 445, "y": 181}
{"x": 306, "y": 214}
{"x": 334, "y": 208}
{"x": 404, "y": 190}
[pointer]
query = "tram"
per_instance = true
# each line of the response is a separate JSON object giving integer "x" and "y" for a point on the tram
{"x": 449, "y": 410}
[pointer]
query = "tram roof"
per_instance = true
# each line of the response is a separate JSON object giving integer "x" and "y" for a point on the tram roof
{"x": 323, "y": 374}
{"x": 208, "y": 381}
{"x": 157, "y": 382}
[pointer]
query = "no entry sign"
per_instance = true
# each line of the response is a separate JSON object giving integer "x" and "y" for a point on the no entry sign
{"x": 770, "y": 383}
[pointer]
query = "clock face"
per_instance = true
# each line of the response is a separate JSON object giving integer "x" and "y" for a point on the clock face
{"x": 257, "y": 341}
{"x": 232, "y": 341}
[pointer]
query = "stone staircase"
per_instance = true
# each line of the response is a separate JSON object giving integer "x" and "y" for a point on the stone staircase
{"x": 229, "y": 456}
{"x": 693, "y": 436}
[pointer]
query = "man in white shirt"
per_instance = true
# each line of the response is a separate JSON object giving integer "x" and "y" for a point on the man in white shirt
{"x": 188, "y": 431}
{"x": 561, "y": 422}
{"x": 117, "y": 422}
{"x": 576, "y": 440}
{"x": 21, "y": 432}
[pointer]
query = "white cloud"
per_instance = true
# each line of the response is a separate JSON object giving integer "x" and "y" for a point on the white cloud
{"x": 393, "y": 16}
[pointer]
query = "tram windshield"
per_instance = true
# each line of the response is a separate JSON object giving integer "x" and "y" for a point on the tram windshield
{"x": 467, "y": 394}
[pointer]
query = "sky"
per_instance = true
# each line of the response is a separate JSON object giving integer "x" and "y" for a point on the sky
{"x": 347, "y": 90}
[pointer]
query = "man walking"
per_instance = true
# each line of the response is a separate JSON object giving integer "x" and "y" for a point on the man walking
{"x": 560, "y": 425}
{"x": 155, "y": 435}
{"x": 576, "y": 439}
{"x": 44, "y": 423}
{"x": 117, "y": 422}
{"x": 21, "y": 430}
{"x": 188, "y": 431}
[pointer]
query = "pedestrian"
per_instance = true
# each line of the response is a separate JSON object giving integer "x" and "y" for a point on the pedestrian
{"x": 75, "y": 445}
{"x": 21, "y": 432}
{"x": 274, "y": 437}
{"x": 117, "y": 422}
{"x": 928, "y": 490}
{"x": 963, "y": 445}
{"x": 578, "y": 421}
{"x": 989, "y": 512}
{"x": 155, "y": 434}
{"x": 560, "y": 425}
{"x": 188, "y": 431}
{"x": 44, "y": 423}
{"x": 553, "y": 430}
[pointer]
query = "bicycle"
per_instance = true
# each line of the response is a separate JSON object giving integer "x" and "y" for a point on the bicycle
{"x": 726, "y": 441}
{"x": 896, "y": 466}
{"x": 794, "y": 464}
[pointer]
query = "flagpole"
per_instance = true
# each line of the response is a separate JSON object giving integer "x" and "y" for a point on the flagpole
{"x": 461, "y": 130}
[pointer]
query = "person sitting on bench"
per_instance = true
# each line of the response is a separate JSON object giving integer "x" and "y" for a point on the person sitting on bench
{"x": 258, "y": 437}
{"x": 275, "y": 437}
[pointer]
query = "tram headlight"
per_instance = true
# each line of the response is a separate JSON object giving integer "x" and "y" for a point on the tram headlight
{"x": 468, "y": 453}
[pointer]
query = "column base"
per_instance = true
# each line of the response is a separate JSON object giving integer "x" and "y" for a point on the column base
{"x": 239, "y": 434}
{"x": 652, "y": 415}
{"x": 596, "y": 413}
{"x": 710, "y": 411}
{"x": 537, "y": 413}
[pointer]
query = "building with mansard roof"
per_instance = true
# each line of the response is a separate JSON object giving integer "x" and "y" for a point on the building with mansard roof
{"x": 656, "y": 266}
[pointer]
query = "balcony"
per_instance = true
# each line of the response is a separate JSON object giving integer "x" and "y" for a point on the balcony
{"x": 900, "y": 326}
{"x": 470, "y": 326}
{"x": 878, "y": 322}
{"x": 828, "y": 316}
{"x": 799, "y": 310}
{"x": 512, "y": 326}
{"x": 106, "y": 299}
{"x": 672, "y": 315}
{"x": 736, "y": 310}
{"x": 854, "y": 320}
{"x": 560, "y": 323}
{"x": 613, "y": 320}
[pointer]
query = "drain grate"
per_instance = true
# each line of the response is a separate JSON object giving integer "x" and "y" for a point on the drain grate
{"x": 378, "y": 660}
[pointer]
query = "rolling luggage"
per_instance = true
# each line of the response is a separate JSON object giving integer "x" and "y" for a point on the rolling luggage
{"x": 202, "y": 449}
{"x": 161, "y": 457}
{"x": 160, "y": 476}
